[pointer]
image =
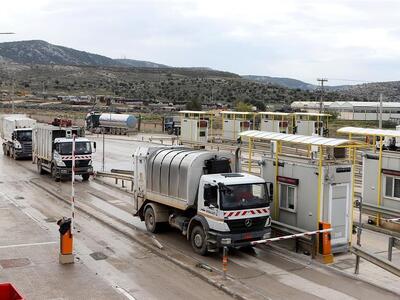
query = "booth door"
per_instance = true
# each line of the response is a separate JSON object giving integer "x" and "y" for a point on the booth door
{"x": 339, "y": 213}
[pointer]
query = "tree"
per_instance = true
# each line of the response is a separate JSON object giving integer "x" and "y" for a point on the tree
{"x": 242, "y": 106}
{"x": 194, "y": 104}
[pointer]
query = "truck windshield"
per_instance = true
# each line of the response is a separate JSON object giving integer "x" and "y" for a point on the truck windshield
{"x": 243, "y": 196}
{"x": 24, "y": 135}
{"x": 80, "y": 148}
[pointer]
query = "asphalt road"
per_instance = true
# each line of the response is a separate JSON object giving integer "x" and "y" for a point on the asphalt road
{"x": 266, "y": 272}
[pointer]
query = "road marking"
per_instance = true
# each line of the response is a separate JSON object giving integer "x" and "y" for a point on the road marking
{"x": 27, "y": 245}
{"x": 291, "y": 279}
{"x": 125, "y": 293}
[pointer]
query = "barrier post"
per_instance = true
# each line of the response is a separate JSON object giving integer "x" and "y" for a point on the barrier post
{"x": 224, "y": 261}
{"x": 326, "y": 248}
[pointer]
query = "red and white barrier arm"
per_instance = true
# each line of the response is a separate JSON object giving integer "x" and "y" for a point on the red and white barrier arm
{"x": 286, "y": 237}
{"x": 392, "y": 220}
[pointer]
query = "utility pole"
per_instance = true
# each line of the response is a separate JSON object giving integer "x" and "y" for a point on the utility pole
{"x": 321, "y": 80}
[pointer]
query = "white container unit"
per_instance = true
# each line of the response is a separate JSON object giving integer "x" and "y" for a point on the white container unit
{"x": 275, "y": 122}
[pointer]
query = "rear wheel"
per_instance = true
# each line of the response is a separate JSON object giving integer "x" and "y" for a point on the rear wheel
{"x": 150, "y": 220}
{"x": 198, "y": 240}
{"x": 85, "y": 177}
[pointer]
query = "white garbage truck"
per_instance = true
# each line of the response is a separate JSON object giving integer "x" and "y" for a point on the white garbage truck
{"x": 16, "y": 132}
{"x": 52, "y": 151}
{"x": 196, "y": 192}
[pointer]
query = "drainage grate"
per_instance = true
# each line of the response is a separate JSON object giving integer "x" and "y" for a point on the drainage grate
{"x": 98, "y": 256}
{"x": 344, "y": 264}
{"x": 14, "y": 263}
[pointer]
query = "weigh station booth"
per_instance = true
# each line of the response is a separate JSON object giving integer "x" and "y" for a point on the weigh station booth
{"x": 235, "y": 122}
{"x": 310, "y": 123}
{"x": 195, "y": 126}
{"x": 275, "y": 121}
{"x": 380, "y": 189}
{"x": 313, "y": 181}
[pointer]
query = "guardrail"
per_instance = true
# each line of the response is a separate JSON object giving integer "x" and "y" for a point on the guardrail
{"x": 380, "y": 262}
{"x": 380, "y": 209}
{"x": 124, "y": 172}
{"x": 116, "y": 176}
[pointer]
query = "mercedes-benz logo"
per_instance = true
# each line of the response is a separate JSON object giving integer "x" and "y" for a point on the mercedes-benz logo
{"x": 248, "y": 222}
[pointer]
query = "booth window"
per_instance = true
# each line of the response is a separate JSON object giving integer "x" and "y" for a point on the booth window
{"x": 392, "y": 186}
{"x": 287, "y": 197}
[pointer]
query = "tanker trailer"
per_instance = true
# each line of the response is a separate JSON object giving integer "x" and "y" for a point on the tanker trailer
{"x": 110, "y": 123}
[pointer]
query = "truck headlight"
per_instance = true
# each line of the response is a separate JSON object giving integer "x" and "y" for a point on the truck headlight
{"x": 17, "y": 145}
{"x": 226, "y": 241}
{"x": 60, "y": 163}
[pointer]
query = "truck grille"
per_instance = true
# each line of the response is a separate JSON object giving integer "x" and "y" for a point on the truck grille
{"x": 78, "y": 163}
{"x": 27, "y": 147}
{"x": 239, "y": 226}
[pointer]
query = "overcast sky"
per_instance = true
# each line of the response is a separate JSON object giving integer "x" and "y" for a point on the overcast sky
{"x": 303, "y": 39}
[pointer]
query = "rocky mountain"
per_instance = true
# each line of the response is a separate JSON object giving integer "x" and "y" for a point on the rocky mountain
{"x": 282, "y": 81}
{"x": 43, "y": 53}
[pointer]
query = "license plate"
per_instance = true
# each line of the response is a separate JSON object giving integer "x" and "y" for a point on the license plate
{"x": 247, "y": 236}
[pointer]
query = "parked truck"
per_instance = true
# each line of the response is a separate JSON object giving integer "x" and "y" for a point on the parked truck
{"x": 52, "y": 151}
{"x": 110, "y": 123}
{"x": 172, "y": 125}
{"x": 196, "y": 192}
{"x": 16, "y": 132}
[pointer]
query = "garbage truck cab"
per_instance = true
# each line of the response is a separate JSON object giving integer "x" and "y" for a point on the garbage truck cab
{"x": 196, "y": 192}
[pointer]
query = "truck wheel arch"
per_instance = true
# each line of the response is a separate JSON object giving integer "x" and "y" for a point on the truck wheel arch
{"x": 161, "y": 212}
{"x": 197, "y": 220}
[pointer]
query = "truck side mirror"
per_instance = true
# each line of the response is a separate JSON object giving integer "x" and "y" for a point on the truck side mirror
{"x": 13, "y": 136}
{"x": 210, "y": 195}
{"x": 94, "y": 145}
{"x": 270, "y": 191}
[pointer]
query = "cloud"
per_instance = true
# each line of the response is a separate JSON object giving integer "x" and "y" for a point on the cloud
{"x": 303, "y": 39}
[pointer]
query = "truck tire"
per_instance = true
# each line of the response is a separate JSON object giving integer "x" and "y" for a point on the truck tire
{"x": 39, "y": 167}
{"x": 198, "y": 240}
{"x": 85, "y": 177}
{"x": 54, "y": 174}
{"x": 150, "y": 220}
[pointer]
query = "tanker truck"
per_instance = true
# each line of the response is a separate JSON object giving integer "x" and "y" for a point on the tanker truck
{"x": 16, "y": 132}
{"x": 52, "y": 151}
{"x": 196, "y": 192}
{"x": 110, "y": 123}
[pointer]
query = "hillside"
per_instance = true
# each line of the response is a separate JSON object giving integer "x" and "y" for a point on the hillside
{"x": 370, "y": 91}
{"x": 139, "y": 63}
{"x": 37, "y": 66}
{"x": 281, "y": 81}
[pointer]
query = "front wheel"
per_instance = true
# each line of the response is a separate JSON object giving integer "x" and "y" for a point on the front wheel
{"x": 198, "y": 240}
{"x": 54, "y": 174}
{"x": 85, "y": 177}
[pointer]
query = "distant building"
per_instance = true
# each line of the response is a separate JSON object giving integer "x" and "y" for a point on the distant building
{"x": 353, "y": 110}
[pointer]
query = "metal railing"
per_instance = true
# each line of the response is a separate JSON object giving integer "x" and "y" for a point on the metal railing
{"x": 116, "y": 176}
{"x": 369, "y": 256}
{"x": 310, "y": 242}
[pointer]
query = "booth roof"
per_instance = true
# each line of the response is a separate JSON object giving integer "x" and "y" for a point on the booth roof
{"x": 369, "y": 131}
{"x": 277, "y": 113}
{"x": 300, "y": 139}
